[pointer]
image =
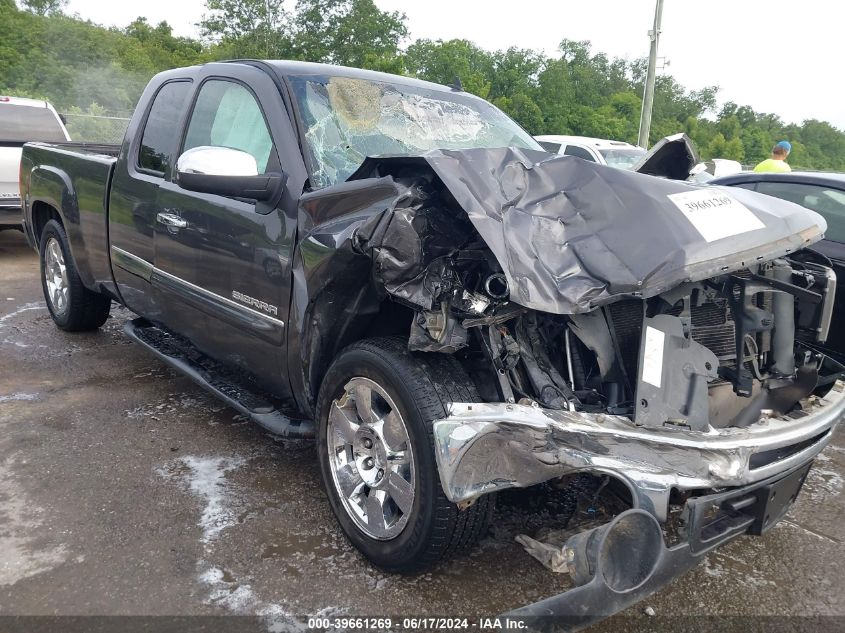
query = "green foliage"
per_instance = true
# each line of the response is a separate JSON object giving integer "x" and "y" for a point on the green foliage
{"x": 43, "y": 7}
{"x": 248, "y": 28}
{"x": 89, "y": 71}
{"x": 445, "y": 62}
{"x": 348, "y": 32}
{"x": 94, "y": 125}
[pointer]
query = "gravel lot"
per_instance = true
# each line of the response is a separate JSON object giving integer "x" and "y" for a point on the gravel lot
{"x": 126, "y": 490}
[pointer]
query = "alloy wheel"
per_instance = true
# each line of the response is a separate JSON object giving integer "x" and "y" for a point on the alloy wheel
{"x": 371, "y": 459}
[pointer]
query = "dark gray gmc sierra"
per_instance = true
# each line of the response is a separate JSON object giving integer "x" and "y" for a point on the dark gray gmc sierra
{"x": 397, "y": 269}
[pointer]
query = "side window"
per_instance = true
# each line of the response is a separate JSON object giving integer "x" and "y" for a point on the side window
{"x": 579, "y": 152}
{"x": 161, "y": 130}
{"x": 227, "y": 115}
{"x": 826, "y": 201}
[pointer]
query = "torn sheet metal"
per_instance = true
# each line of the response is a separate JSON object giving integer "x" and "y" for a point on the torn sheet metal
{"x": 571, "y": 235}
{"x": 672, "y": 157}
{"x": 550, "y": 550}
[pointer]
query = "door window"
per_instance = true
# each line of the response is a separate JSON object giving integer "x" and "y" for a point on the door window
{"x": 579, "y": 152}
{"x": 826, "y": 201}
{"x": 227, "y": 115}
{"x": 162, "y": 127}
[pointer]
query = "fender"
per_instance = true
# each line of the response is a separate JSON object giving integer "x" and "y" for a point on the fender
{"x": 82, "y": 207}
{"x": 333, "y": 294}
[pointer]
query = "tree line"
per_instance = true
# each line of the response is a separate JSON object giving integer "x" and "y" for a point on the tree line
{"x": 82, "y": 67}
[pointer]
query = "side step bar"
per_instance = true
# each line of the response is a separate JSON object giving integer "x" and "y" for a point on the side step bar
{"x": 217, "y": 379}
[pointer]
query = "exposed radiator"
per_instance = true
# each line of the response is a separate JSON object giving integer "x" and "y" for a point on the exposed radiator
{"x": 712, "y": 326}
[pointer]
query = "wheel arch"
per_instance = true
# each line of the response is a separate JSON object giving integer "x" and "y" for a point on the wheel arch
{"x": 344, "y": 312}
{"x": 42, "y": 212}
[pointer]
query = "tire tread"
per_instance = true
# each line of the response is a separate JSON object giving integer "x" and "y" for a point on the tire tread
{"x": 87, "y": 310}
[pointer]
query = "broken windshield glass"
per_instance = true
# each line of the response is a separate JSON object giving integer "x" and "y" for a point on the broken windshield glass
{"x": 345, "y": 120}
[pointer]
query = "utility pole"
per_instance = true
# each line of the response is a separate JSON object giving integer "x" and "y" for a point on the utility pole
{"x": 648, "y": 95}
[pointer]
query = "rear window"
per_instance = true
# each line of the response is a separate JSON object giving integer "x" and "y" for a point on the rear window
{"x": 554, "y": 148}
{"x": 578, "y": 152}
{"x": 161, "y": 130}
{"x": 622, "y": 158}
{"x": 20, "y": 124}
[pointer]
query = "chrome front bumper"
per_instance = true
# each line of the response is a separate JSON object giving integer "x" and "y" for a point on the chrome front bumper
{"x": 482, "y": 448}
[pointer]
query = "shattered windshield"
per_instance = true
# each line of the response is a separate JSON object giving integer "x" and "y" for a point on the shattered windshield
{"x": 345, "y": 120}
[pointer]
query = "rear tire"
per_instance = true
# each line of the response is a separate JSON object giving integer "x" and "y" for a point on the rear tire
{"x": 406, "y": 393}
{"x": 73, "y": 307}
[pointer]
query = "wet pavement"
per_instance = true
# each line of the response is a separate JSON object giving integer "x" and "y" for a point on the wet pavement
{"x": 127, "y": 490}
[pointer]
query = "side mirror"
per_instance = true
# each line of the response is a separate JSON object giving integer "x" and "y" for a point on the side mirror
{"x": 226, "y": 172}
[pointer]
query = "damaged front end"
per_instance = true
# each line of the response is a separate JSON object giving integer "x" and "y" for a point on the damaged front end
{"x": 640, "y": 328}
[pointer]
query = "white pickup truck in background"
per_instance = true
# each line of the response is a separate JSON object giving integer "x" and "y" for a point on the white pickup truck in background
{"x": 22, "y": 120}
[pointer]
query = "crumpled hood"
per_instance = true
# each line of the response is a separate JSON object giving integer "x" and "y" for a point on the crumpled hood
{"x": 571, "y": 235}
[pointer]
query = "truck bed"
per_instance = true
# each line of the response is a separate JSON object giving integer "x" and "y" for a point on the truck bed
{"x": 74, "y": 178}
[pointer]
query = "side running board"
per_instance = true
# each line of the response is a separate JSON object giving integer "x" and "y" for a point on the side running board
{"x": 213, "y": 377}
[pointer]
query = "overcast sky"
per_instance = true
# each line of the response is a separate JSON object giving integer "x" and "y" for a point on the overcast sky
{"x": 776, "y": 56}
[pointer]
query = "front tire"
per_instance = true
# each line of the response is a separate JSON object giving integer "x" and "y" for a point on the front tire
{"x": 375, "y": 445}
{"x": 72, "y": 306}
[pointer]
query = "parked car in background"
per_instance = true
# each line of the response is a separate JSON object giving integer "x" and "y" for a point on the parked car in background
{"x": 22, "y": 120}
{"x": 824, "y": 193}
{"x": 597, "y": 150}
{"x": 716, "y": 168}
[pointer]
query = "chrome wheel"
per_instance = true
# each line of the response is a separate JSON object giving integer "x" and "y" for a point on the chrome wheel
{"x": 55, "y": 276}
{"x": 371, "y": 459}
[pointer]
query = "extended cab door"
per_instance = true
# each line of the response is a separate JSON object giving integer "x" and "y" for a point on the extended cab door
{"x": 223, "y": 264}
{"x": 133, "y": 201}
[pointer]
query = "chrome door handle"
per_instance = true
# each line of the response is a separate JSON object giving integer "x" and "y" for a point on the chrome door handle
{"x": 171, "y": 219}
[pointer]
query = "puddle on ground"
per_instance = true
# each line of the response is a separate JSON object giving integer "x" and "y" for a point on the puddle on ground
{"x": 23, "y": 553}
{"x": 822, "y": 483}
{"x": 19, "y": 397}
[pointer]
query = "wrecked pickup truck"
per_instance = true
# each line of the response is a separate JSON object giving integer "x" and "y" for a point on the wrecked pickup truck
{"x": 398, "y": 269}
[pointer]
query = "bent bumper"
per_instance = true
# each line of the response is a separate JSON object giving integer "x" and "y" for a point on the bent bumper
{"x": 481, "y": 448}
{"x": 626, "y": 560}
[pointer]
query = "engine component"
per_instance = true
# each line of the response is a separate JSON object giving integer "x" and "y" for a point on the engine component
{"x": 783, "y": 307}
{"x": 496, "y": 286}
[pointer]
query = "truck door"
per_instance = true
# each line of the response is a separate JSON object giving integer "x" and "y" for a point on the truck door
{"x": 224, "y": 263}
{"x": 140, "y": 170}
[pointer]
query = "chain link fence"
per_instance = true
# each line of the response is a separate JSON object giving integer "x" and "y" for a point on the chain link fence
{"x": 94, "y": 128}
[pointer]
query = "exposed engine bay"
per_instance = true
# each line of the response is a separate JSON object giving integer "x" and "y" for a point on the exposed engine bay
{"x": 611, "y": 321}
{"x": 714, "y": 351}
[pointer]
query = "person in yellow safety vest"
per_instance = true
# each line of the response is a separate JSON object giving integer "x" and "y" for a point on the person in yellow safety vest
{"x": 777, "y": 162}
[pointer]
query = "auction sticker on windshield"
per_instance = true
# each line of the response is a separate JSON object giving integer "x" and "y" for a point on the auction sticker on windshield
{"x": 715, "y": 214}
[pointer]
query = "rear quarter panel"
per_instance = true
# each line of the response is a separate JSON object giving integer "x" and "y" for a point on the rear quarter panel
{"x": 76, "y": 185}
